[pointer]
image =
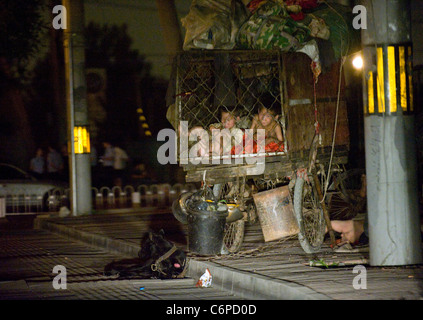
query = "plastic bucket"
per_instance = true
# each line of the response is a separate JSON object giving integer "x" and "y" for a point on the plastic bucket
{"x": 205, "y": 231}
{"x": 276, "y": 213}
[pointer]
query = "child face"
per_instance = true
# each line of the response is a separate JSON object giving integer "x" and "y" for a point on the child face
{"x": 265, "y": 117}
{"x": 228, "y": 120}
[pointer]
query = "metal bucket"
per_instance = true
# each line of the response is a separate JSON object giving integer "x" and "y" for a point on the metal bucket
{"x": 276, "y": 213}
{"x": 234, "y": 213}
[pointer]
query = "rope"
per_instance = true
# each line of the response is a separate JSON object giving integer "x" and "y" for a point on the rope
{"x": 316, "y": 121}
{"x": 334, "y": 130}
{"x": 343, "y": 58}
{"x": 248, "y": 253}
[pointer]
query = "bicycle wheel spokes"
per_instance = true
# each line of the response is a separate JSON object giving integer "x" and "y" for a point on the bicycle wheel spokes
{"x": 234, "y": 231}
{"x": 312, "y": 216}
{"x": 234, "y": 235}
{"x": 347, "y": 199}
{"x": 309, "y": 215}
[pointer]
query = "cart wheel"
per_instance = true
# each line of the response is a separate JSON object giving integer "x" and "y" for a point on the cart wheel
{"x": 348, "y": 195}
{"x": 234, "y": 231}
{"x": 234, "y": 235}
{"x": 252, "y": 212}
{"x": 309, "y": 215}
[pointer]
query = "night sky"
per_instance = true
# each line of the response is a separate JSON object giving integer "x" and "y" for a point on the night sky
{"x": 143, "y": 25}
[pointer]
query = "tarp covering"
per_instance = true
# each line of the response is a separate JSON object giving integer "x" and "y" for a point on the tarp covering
{"x": 269, "y": 24}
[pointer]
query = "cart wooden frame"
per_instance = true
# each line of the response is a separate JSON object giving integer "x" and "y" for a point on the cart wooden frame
{"x": 309, "y": 105}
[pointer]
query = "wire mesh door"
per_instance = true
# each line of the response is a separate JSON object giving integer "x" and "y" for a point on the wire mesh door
{"x": 239, "y": 82}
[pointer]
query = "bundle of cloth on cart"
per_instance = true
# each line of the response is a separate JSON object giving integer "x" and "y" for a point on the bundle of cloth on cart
{"x": 320, "y": 29}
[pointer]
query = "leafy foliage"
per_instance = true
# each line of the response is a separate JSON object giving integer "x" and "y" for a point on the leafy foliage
{"x": 20, "y": 25}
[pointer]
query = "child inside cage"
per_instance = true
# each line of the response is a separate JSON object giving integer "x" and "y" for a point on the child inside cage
{"x": 229, "y": 137}
{"x": 220, "y": 137}
{"x": 227, "y": 133}
{"x": 267, "y": 119}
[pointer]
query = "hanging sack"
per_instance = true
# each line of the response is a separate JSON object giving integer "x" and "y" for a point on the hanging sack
{"x": 213, "y": 24}
{"x": 271, "y": 27}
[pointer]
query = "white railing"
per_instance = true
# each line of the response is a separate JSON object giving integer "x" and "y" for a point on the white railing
{"x": 22, "y": 202}
{"x": 156, "y": 195}
{"x": 104, "y": 198}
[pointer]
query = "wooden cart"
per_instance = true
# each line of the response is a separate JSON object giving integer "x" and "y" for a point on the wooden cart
{"x": 313, "y": 118}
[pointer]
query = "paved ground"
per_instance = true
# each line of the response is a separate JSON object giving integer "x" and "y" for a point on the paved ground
{"x": 273, "y": 270}
{"x": 28, "y": 258}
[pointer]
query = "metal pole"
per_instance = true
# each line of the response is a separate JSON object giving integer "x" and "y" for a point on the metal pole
{"x": 391, "y": 168}
{"x": 80, "y": 168}
{"x": 71, "y": 121}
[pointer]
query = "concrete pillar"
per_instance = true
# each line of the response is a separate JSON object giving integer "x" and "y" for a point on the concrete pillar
{"x": 391, "y": 167}
{"x": 79, "y": 158}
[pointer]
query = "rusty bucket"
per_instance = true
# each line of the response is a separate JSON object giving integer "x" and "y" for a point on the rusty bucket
{"x": 276, "y": 213}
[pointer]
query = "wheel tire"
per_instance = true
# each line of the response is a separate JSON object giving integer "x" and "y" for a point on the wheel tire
{"x": 179, "y": 210}
{"x": 309, "y": 215}
{"x": 234, "y": 235}
{"x": 234, "y": 232}
{"x": 344, "y": 203}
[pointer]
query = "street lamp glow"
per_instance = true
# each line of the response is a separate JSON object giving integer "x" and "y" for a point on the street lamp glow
{"x": 357, "y": 62}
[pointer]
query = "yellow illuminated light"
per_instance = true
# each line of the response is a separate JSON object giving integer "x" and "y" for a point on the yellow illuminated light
{"x": 403, "y": 83}
{"x": 400, "y": 89}
{"x": 81, "y": 140}
{"x": 370, "y": 95}
{"x": 392, "y": 80}
{"x": 380, "y": 82}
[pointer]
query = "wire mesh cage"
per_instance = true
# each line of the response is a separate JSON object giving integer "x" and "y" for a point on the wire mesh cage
{"x": 240, "y": 82}
{"x": 234, "y": 81}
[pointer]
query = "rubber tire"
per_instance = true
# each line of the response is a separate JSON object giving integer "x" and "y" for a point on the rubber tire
{"x": 237, "y": 227}
{"x": 341, "y": 193}
{"x": 298, "y": 211}
{"x": 179, "y": 213}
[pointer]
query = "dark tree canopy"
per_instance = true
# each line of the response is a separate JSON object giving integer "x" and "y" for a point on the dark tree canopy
{"x": 110, "y": 45}
{"x": 20, "y": 25}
